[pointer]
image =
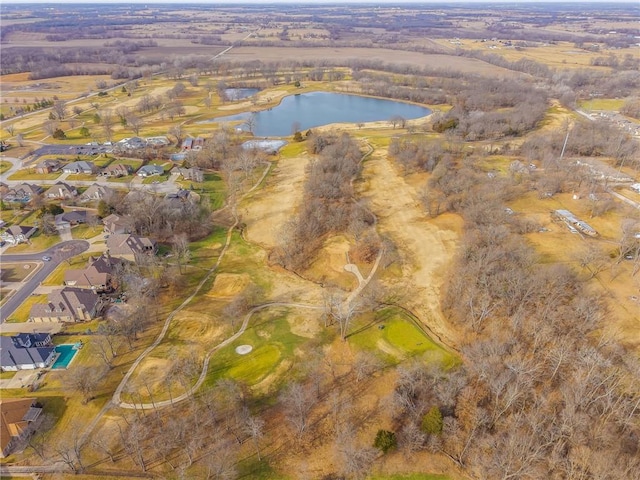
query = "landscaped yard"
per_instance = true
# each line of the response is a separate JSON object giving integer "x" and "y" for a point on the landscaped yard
{"x": 37, "y": 243}
{"x": 57, "y": 276}
{"x": 84, "y": 232}
{"x": 4, "y": 166}
{"x": 213, "y": 186}
{"x": 17, "y": 272}
{"x": 29, "y": 174}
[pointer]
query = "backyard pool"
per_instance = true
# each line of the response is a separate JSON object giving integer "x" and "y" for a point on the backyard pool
{"x": 65, "y": 352}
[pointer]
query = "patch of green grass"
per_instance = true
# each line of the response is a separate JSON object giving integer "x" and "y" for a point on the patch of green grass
{"x": 17, "y": 272}
{"x": 4, "y": 166}
{"x": 7, "y": 375}
{"x": 83, "y": 232}
{"x": 293, "y": 149}
{"x": 272, "y": 342}
{"x": 258, "y": 470}
{"x": 38, "y": 243}
{"x": 213, "y": 186}
{"x": 82, "y": 177}
{"x": 31, "y": 175}
{"x": 21, "y": 314}
{"x": 5, "y": 294}
{"x": 393, "y": 335}
{"x": 611, "y": 104}
{"x": 125, "y": 179}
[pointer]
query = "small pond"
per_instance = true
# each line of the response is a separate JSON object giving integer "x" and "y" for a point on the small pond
{"x": 269, "y": 146}
{"x": 309, "y": 110}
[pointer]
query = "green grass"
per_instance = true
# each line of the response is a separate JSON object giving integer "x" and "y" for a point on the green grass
{"x": 5, "y": 293}
{"x": 156, "y": 178}
{"x": 21, "y": 313}
{"x": 83, "y": 232}
{"x": 29, "y": 174}
{"x": 4, "y": 166}
{"x": 272, "y": 340}
{"x": 213, "y": 186}
{"x": 398, "y": 339}
{"x": 612, "y": 104}
{"x": 7, "y": 375}
{"x": 39, "y": 242}
{"x": 82, "y": 177}
{"x": 252, "y": 468}
{"x": 293, "y": 149}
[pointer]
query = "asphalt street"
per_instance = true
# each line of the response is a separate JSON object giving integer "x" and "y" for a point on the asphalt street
{"x": 58, "y": 253}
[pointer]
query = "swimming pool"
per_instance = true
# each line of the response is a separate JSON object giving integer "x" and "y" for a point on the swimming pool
{"x": 65, "y": 352}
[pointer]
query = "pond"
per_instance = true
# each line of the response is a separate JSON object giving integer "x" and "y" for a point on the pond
{"x": 235, "y": 94}
{"x": 309, "y": 110}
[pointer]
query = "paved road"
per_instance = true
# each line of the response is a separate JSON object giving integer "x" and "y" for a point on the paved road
{"x": 58, "y": 253}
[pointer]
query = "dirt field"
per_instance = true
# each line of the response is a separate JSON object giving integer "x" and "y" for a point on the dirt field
{"x": 425, "y": 246}
{"x": 438, "y": 62}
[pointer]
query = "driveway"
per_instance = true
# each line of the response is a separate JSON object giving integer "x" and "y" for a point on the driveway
{"x": 58, "y": 254}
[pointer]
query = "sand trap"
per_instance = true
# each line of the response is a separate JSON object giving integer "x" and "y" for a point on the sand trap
{"x": 243, "y": 349}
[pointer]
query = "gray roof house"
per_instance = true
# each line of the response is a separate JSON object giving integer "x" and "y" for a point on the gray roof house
{"x": 61, "y": 191}
{"x": 114, "y": 224}
{"x": 75, "y": 217}
{"x": 26, "y": 351}
{"x": 96, "y": 192}
{"x": 22, "y": 193}
{"x": 68, "y": 304}
{"x": 16, "y": 234}
{"x": 150, "y": 170}
{"x": 97, "y": 275}
{"x": 80, "y": 167}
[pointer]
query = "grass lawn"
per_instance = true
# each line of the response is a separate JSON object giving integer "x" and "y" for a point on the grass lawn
{"x": 17, "y": 272}
{"x": 83, "y": 232}
{"x": 293, "y": 149}
{"x": 29, "y": 174}
{"x": 5, "y": 293}
{"x": 392, "y": 334}
{"x": 611, "y": 104}
{"x": 273, "y": 343}
{"x": 4, "y": 166}
{"x": 213, "y": 186}
{"x": 37, "y": 243}
{"x": 82, "y": 177}
{"x": 21, "y": 313}
{"x": 125, "y": 179}
{"x": 156, "y": 179}
{"x": 7, "y": 375}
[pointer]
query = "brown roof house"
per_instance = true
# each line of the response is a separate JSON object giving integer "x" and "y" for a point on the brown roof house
{"x": 48, "y": 166}
{"x": 61, "y": 191}
{"x": 68, "y": 304}
{"x": 96, "y": 192}
{"x": 115, "y": 224}
{"x": 16, "y": 234}
{"x": 130, "y": 247}
{"x": 98, "y": 276}
{"x": 17, "y": 419}
{"x": 117, "y": 170}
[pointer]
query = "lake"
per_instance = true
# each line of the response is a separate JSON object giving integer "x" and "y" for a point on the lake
{"x": 309, "y": 110}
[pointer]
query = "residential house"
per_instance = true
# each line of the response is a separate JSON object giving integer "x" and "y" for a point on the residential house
{"x": 22, "y": 193}
{"x": 61, "y": 191}
{"x": 97, "y": 276}
{"x": 130, "y": 247}
{"x": 194, "y": 174}
{"x": 48, "y": 166}
{"x": 16, "y": 234}
{"x": 117, "y": 170}
{"x": 69, "y": 304}
{"x": 187, "y": 143}
{"x": 26, "y": 351}
{"x": 160, "y": 141}
{"x": 181, "y": 196}
{"x": 115, "y": 224}
{"x": 17, "y": 419}
{"x": 75, "y": 217}
{"x": 96, "y": 192}
{"x": 80, "y": 167}
{"x": 150, "y": 170}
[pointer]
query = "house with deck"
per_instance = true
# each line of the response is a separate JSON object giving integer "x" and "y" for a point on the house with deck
{"x": 130, "y": 247}
{"x": 97, "y": 276}
{"x": 16, "y": 234}
{"x": 68, "y": 304}
{"x": 61, "y": 191}
{"x": 26, "y": 351}
{"x": 18, "y": 417}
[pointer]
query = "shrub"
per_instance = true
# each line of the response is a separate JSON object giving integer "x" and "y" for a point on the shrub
{"x": 385, "y": 440}
{"x": 432, "y": 422}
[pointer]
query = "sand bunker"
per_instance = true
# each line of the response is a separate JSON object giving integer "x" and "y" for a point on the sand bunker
{"x": 243, "y": 349}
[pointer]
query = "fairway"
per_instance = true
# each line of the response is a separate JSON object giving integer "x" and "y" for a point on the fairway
{"x": 393, "y": 335}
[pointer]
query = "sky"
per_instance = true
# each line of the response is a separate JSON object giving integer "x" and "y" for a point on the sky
{"x": 308, "y": 2}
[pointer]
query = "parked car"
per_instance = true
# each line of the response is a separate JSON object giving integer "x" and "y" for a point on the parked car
{"x": 46, "y": 258}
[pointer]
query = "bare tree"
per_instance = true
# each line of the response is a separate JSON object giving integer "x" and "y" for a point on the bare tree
{"x": 59, "y": 109}
{"x": 220, "y": 460}
{"x": 297, "y": 401}
{"x": 255, "y": 429}
{"x": 181, "y": 250}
